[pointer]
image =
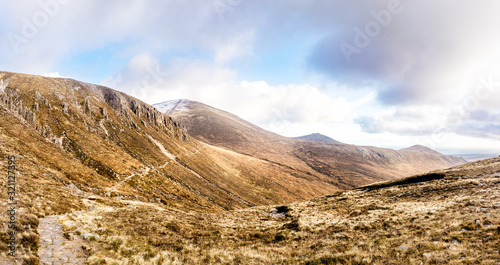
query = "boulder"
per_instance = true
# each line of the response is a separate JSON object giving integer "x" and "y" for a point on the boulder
{"x": 403, "y": 247}
{"x": 65, "y": 107}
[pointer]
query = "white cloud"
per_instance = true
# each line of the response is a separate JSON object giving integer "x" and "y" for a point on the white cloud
{"x": 257, "y": 101}
{"x": 55, "y": 75}
{"x": 424, "y": 66}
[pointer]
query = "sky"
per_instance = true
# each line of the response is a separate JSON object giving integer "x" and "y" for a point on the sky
{"x": 384, "y": 73}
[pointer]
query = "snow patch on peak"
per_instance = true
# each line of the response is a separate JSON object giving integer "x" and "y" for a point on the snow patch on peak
{"x": 167, "y": 107}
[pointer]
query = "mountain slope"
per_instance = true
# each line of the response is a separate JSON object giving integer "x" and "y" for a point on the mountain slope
{"x": 216, "y": 127}
{"x": 445, "y": 217}
{"x": 317, "y": 137}
{"x": 73, "y": 140}
{"x": 343, "y": 165}
{"x": 105, "y": 142}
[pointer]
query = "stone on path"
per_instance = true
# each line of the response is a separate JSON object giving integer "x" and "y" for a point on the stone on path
{"x": 54, "y": 248}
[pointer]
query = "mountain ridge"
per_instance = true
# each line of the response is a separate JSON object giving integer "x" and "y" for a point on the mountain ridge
{"x": 347, "y": 165}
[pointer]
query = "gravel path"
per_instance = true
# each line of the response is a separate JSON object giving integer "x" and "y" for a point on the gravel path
{"x": 54, "y": 248}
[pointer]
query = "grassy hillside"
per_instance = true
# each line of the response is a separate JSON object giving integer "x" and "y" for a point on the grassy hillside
{"x": 445, "y": 217}
{"x": 70, "y": 138}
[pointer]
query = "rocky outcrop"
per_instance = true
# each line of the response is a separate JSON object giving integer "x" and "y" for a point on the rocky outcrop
{"x": 3, "y": 85}
{"x": 46, "y": 103}
{"x": 87, "y": 106}
{"x": 113, "y": 99}
{"x": 65, "y": 107}
{"x": 104, "y": 113}
{"x": 133, "y": 112}
{"x": 38, "y": 96}
{"x": 8, "y": 100}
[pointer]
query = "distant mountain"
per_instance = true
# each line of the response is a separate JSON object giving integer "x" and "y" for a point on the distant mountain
{"x": 317, "y": 137}
{"x": 475, "y": 157}
{"x": 420, "y": 148}
{"x": 341, "y": 165}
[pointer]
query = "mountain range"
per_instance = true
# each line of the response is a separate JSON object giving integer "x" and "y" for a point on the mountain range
{"x": 195, "y": 156}
{"x": 314, "y": 157}
{"x": 78, "y": 145}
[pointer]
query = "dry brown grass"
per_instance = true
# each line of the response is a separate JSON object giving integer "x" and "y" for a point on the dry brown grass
{"x": 334, "y": 165}
{"x": 452, "y": 220}
{"x": 140, "y": 222}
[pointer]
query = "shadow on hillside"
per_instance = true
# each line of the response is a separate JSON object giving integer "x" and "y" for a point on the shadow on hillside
{"x": 409, "y": 180}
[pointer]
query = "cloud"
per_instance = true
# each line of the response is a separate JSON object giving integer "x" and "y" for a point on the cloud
{"x": 377, "y": 125}
{"x": 153, "y": 26}
{"x": 260, "y": 60}
{"x": 424, "y": 54}
{"x": 433, "y": 122}
{"x": 55, "y": 75}
{"x": 270, "y": 106}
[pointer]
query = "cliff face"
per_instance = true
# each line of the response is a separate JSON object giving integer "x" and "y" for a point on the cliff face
{"x": 27, "y": 96}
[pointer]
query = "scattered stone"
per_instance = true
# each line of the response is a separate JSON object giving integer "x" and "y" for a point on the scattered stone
{"x": 86, "y": 236}
{"x": 496, "y": 206}
{"x": 427, "y": 255}
{"x": 478, "y": 221}
{"x": 483, "y": 209}
{"x": 453, "y": 247}
{"x": 454, "y": 241}
{"x": 69, "y": 225}
{"x": 340, "y": 236}
{"x": 403, "y": 247}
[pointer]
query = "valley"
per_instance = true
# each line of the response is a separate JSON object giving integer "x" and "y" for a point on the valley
{"x": 133, "y": 184}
